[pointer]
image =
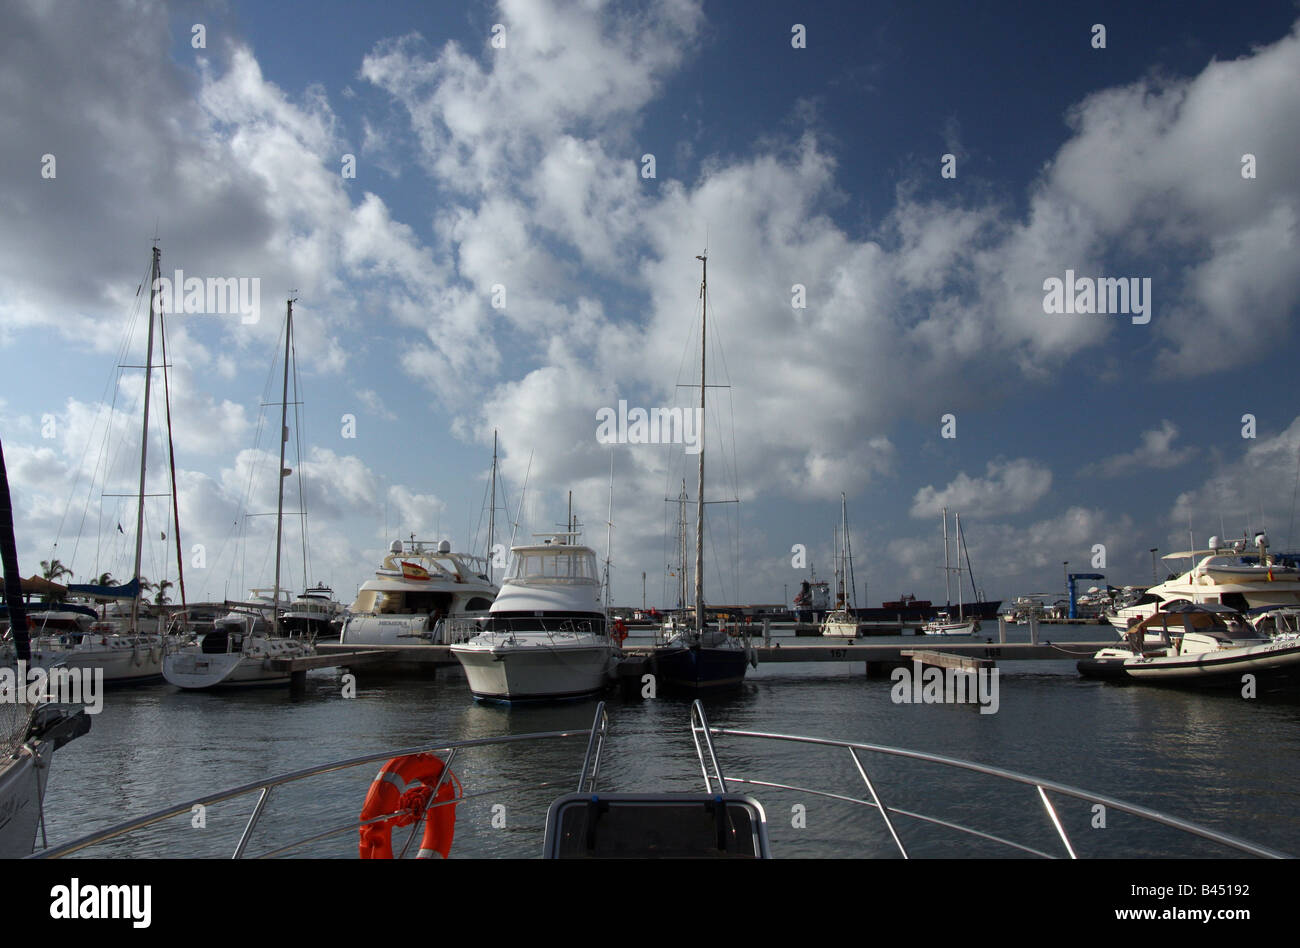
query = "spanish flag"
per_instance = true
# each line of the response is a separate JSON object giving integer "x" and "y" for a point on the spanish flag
{"x": 413, "y": 571}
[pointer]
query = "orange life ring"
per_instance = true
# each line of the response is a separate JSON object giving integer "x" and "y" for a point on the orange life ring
{"x": 619, "y": 634}
{"x": 401, "y": 792}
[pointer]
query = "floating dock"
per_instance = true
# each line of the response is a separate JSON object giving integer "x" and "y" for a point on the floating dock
{"x": 878, "y": 657}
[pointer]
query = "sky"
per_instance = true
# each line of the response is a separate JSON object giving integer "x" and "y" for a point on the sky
{"x": 490, "y": 216}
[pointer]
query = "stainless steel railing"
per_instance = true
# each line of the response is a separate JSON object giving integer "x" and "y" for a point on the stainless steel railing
{"x": 590, "y": 769}
{"x": 703, "y": 735}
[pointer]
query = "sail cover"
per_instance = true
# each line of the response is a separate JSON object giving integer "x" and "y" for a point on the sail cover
{"x": 126, "y": 591}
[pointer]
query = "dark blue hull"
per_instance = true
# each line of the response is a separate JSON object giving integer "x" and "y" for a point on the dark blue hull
{"x": 700, "y": 670}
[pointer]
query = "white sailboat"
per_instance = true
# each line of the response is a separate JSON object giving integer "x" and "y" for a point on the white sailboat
{"x": 241, "y": 649}
{"x": 701, "y": 658}
{"x": 943, "y": 623}
{"x": 129, "y": 649}
{"x": 842, "y": 622}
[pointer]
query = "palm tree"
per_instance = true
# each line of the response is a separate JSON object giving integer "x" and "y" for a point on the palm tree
{"x": 161, "y": 599}
{"x": 53, "y": 569}
{"x": 105, "y": 579}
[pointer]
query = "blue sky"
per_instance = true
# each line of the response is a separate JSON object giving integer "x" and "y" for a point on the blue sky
{"x": 521, "y": 167}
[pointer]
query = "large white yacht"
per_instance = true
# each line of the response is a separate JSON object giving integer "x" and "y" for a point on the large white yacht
{"x": 418, "y": 586}
{"x": 1224, "y": 574}
{"x": 546, "y": 635}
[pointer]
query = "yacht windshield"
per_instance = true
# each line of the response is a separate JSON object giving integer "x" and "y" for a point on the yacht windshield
{"x": 558, "y": 565}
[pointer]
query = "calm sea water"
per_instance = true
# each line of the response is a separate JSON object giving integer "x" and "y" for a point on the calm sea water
{"x": 1222, "y": 761}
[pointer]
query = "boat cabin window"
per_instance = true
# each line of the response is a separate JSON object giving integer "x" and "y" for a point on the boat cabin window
{"x": 560, "y": 564}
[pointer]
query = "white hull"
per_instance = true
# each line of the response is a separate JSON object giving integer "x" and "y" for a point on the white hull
{"x": 195, "y": 670}
{"x": 21, "y": 787}
{"x": 120, "y": 661}
{"x": 840, "y": 628}
{"x": 387, "y": 630}
{"x": 539, "y": 666}
{"x": 1277, "y": 661}
{"x": 954, "y": 629}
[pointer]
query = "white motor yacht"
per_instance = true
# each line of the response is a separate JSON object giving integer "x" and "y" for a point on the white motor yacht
{"x": 315, "y": 614}
{"x": 546, "y": 635}
{"x": 1223, "y": 574}
{"x": 419, "y": 584}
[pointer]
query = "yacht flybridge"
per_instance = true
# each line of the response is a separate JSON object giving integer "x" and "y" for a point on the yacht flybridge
{"x": 1225, "y": 574}
{"x": 419, "y": 585}
{"x": 546, "y": 635}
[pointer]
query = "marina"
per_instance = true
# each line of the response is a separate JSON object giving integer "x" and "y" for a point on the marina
{"x": 513, "y": 433}
{"x": 1087, "y": 734}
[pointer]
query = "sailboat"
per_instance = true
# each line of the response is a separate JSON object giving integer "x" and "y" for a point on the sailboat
{"x": 27, "y": 744}
{"x": 943, "y": 623}
{"x": 842, "y": 622}
{"x": 701, "y": 659}
{"x": 121, "y": 649}
{"x": 240, "y": 649}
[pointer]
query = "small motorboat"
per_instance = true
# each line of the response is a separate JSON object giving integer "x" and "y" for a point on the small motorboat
{"x": 1200, "y": 645}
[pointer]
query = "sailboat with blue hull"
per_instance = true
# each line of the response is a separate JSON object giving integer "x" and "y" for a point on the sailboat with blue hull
{"x": 699, "y": 659}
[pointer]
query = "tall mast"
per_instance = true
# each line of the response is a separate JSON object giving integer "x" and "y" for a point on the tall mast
{"x": 144, "y": 436}
{"x": 171, "y": 460}
{"x": 682, "y": 598}
{"x": 699, "y": 500}
{"x": 844, "y": 551}
{"x": 957, "y": 517}
{"x": 839, "y": 586}
{"x": 947, "y": 569}
{"x": 284, "y": 438}
{"x": 492, "y": 511}
{"x": 609, "y": 530}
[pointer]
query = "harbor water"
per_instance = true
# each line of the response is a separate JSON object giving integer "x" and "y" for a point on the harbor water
{"x": 1223, "y": 761}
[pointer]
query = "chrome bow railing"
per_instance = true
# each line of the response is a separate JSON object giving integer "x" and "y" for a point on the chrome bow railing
{"x": 714, "y": 781}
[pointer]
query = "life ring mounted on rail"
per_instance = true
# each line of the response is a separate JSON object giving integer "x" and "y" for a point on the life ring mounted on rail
{"x": 400, "y": 793}
{"x": 619, "y": 632}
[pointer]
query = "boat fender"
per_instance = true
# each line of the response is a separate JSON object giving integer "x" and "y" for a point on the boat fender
{"x": 400, "y": 795}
